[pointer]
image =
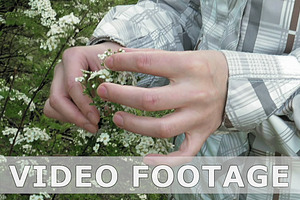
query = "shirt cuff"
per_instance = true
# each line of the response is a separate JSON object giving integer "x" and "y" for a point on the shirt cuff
{"x": 258, "y": 85}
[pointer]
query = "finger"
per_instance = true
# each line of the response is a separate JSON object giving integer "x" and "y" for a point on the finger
{"x": 172, "y": 161}
{"x": 140, "y": 50}
{"x": 75, "y": 91}
{"x": 83, "y": 103}
{"x": 188, "y": 149}
{"x": 72, "y": 69}
{"x": 71, "y": 113}
{"x": 75, "y": 59}
{"x": 61, "y": 103}
{"x": 52, "y": 113}
{"x": 150, "y": 99}
{"x": 168, "y": 126}
{"x": 158, "y": 63}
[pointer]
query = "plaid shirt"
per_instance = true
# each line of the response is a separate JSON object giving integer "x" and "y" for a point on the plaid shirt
{"x": 261, "y": 41}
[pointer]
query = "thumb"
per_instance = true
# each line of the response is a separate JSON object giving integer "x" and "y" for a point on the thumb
{"x": 189, "y": 148}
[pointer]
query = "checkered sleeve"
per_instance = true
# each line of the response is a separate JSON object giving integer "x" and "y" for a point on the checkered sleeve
{"x": 168, "y": 25}
{"x": 259, "y": 85}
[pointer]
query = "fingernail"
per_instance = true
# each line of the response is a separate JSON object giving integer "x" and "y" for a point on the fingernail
{"x": 93, "y": 118}
{"x": 109, "y": 62}
{"x": 118, "y": 120}
{"x": 102, "y": 92}
{"x": 91, "y": 128}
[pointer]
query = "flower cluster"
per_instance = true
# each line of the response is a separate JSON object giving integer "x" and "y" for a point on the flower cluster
{"x": 29, "y": 135}
{"x": 43, "y": 8}
{"x": 16, "y": 95}
{"x": 40, "y": 196}
{"x": 36, "y": 197}
{"x": 59, "y": 29}
{"x": 109, "y": 135}
{"x": 82, "y": 136}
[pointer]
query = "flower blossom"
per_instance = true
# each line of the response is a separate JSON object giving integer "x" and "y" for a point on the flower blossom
{"x": 104, "y": 138}
{"x": 36, "y": 197}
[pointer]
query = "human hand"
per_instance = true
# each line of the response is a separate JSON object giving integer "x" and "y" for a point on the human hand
{"x": 67, "y": 102}
{"x": 197, "y": 91}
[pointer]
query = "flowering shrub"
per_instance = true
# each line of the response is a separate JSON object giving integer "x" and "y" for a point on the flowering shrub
{"x": 33, "y": 35}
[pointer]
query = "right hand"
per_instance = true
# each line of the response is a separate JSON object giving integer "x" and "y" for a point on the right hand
{"x": 67, "y": 102}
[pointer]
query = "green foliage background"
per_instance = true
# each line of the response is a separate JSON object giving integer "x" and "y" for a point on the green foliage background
{"x": 27, "y": 68}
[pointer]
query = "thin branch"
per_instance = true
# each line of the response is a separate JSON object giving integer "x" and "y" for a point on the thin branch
{"x": 42, "y": 84}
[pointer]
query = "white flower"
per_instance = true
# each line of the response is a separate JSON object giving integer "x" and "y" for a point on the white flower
{"x": 83, "y": 133}
{"x": 9, "y": 131}
{"x": 83, "y": 40}
{"x": 96, "y": 147}
{"x": 142, "y": 196}
{"x": 45, "y": 194}
{"x": 20, "y": 96}
{"x": 51, "y": 43}
{"x": 1, "y": 97}
{"x": 79, "y": 79}
{"x": 27, "y": 148}
{"x": 102, "y": 56}
{"x": 2, "y": 197}
{"x": 68, "y": 19}
{"x": 29, "y": 137}
{"x": 102, "y": 74}
{"x": 31, "y": 13}
{"x": 36, "y": 197}
{"x": 2, "y": 20}
{"x": 54, "y": 30}
{"x": 35, "y": 133}
{"x": 104, "y": 138}
{"x": 71, "y": 42}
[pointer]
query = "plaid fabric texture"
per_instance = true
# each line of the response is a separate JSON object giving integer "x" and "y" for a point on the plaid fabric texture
{"x": 261, "y": 41}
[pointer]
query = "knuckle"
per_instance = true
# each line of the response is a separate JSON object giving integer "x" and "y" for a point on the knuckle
{"x": 209, "y": 96}
{"x": 53, "y": 100}
{"x": 194, "y": 65}
{"x": 47, "y": 111}
{"x": 77, "y": 122}
{"x": 77, "y": 119}
{"x": 71, "y": 52}
{"x": 149, "y": 101}
{"x": 56, "y": 68}
{"x": 70, "y": 83}
{"x": 197, "y": 67}
{"x": 117, "y": 62}
{"x": 143, "y": 61}
{"x": 206, "y": 95}
{"x": 165, "y": 129}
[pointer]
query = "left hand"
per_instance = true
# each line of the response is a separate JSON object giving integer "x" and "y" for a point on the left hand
{"x": 197, "y": 91}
